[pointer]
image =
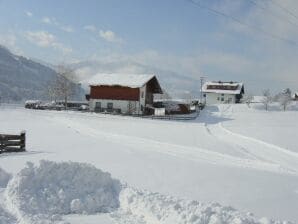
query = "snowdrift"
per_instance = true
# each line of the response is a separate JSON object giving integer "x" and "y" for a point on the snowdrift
{"x": 63, "y": 188}
{"x": 6, "y": 218}
{"x": 152, "y": 208}
{"x": 43, "y": 194}
{"x": 4, "y": 178}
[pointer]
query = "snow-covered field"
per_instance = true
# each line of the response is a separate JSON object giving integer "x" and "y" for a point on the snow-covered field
{"x": 231, "y": 155}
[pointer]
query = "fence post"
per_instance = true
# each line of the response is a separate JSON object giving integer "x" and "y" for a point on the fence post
{"x": 23, "y": 141}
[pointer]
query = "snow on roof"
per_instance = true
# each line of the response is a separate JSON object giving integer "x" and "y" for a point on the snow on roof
{"x": 128, "y": 80}
{"x": 218, "y": 87}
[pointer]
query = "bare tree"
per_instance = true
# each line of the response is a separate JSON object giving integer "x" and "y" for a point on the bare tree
{"x": 63, "y": 86}
{"x": 267, "y": 98}
{"x": 51, "y": 91}
{"x": 248, "y": 99}
{"x": 284, "y": 98}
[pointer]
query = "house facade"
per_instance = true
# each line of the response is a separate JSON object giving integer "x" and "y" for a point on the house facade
{"x": 123, "y": 93}
{"x": 222, "y": 92}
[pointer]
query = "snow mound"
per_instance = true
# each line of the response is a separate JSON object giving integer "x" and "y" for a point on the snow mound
{"x": 154, "y": 208}
{"x": 62, "y": 188}
{"x": 6, "y": 218}
{"x": 4, "y": 178}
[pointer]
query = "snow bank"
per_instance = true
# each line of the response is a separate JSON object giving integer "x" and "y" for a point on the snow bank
{"x": 62, "y": 188}
{"x": 6, "y": 218}
{"x": 4, "y": 178}
{"x": 153, "y": 208}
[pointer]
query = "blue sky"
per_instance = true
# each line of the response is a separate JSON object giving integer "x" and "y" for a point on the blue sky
{"x": 173, "y": 35}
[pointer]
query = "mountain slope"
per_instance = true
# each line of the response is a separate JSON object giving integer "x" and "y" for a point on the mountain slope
{"x": 22, "y": 78}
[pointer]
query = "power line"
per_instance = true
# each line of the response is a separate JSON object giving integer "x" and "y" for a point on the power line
{"x": 272, "y": 13}
{"x": 219, "y": 13}
{"x": 284, "y": 9}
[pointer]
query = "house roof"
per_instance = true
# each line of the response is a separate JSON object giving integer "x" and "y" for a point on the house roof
{"x": 222, "y": 87}
{"x": 125, "y": 80}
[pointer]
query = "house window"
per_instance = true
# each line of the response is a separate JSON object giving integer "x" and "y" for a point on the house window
{"x": 142, "y": 94}
{"x": 142, "y": 108}
{"x": 222, "y": 94}
{"x": 97, "y": 104}
{"x": 222, "y": 99}
{"x": 218, "y": 98}
{"x": 110, "y": 105}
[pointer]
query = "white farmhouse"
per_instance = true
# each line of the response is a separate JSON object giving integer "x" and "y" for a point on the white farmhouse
{"x": 123, "y": 93}
{"x": 222, "y": 92}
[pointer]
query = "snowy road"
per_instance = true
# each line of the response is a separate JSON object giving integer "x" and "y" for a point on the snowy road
{"x": 207, "y": 159}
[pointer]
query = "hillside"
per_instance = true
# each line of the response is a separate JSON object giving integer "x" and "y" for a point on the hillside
{"x": 22, "y": 78}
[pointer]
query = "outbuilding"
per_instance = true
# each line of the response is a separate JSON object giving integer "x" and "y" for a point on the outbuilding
{"x": 123, "y": 93}
{"x": 222, "y": 92}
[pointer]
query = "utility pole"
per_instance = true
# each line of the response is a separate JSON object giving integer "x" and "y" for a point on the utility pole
{"x": 201, "y": 91}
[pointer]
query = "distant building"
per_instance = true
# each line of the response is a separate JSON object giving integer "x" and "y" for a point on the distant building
{"x": 123, "y": 93}
{"x": 222, "y": 92}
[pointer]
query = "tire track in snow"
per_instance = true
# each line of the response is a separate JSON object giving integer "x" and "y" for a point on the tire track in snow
{"x": 179, "y": 151}
{"x": 261, "y": 150}
{"x": 267, "y": 151}
{"x": 236, "y": 147}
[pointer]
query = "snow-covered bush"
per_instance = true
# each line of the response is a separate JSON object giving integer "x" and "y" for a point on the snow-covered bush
{"x": 63, "y": 188}
{"x": 4, "y": 178}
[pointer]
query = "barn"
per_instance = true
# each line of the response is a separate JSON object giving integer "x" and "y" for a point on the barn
{"x": 223, "y": 92}
{"x": 123, "y": 93}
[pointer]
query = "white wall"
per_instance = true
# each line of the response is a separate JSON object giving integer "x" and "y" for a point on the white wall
{"x": 212, "y": 98}
{"x": 123, "y": 105}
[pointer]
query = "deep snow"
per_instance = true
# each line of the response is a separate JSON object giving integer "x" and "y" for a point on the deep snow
{"x": 234, "y": 155}
{"x": 41, "y": 194}
{"x": 4, "y": 178}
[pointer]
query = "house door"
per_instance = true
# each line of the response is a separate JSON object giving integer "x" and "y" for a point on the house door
{"x": 97, "y": 106}
{"x": 110, "y": 107}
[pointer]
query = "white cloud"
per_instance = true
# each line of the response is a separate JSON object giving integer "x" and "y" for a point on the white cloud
{"x": 29, "y": 14}
{"x": 53, "y": 21}
{"x": 272, "y": 52}
{"x": 110, "y": 36}
{"x": 68, "y": 29}
{"x": 48, "y": 20}
{"x": 10, "y": 41}
{"x": 91, "y": 28}
{"x": 41, "y": 38}
{"x": 46, "y": 39}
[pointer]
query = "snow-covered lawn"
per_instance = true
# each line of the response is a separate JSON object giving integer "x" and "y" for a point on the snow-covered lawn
{"x": 233, "y": 155}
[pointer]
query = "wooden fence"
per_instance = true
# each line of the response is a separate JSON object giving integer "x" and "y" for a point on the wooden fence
{"x": 13, "y": 143}
{"x": 191, "y": 116}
